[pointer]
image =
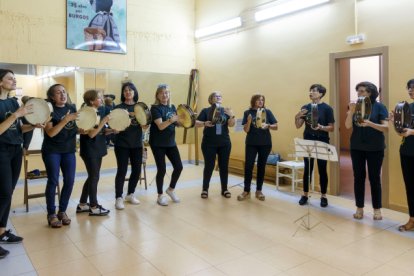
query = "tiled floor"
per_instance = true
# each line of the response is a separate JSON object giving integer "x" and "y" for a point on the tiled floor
{"x": 216, "y": 236}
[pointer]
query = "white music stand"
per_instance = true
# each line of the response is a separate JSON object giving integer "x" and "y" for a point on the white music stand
{"x": 317, "y": 150}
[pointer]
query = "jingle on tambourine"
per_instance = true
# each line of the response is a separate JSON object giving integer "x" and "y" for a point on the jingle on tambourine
{"x": 40, "y": 111}
{"x": 260, "y": 117}
{"x": 142, "y": 114}
{"x": 363, "y": 109}
{"x": 402, "y": 117}
{"x": 186, "y": 116}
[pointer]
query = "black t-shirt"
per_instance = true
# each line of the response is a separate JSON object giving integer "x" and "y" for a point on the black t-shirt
{"x": 165, "y": 137}
{"x": 325, "y": 117}
{"x": 13, "y": 135}
{"x": 131, "y": 137}
{"x": 94, "y": 147}
{"x": 258, "y": 136}
{"x": 407, "y": 146}
{"x": 216, "y": 135}
{"x": 65, "y": 140}
{"x": 368, "y": 138}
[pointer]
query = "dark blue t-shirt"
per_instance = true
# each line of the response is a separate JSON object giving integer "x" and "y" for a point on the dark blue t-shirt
{"x": 325, "y": 117}
{"x": 65, "y": 140}
{"x": 407, "y": 145}
{"x": 165, "y": 137}
{"x": 94, "y": 147}
{"x": 368, "y": 138}
{"x": 13, "y": 135}
{"x": 212, "y": 136}
{"x": 258, "y": 136}
{"x": 131, "y": 137}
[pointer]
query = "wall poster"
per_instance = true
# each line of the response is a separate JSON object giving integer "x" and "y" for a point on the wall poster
{"x": 96, "y": 25}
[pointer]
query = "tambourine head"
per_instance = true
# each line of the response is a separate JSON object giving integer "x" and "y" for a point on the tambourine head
{"x": 40, "y": 111}
{"x": 119, "y": 119}
{"x": 87, "y": 118}
{"x": 186, "y": 116}
{"x": 402, "y": 116}
{"x": 142, "y": 114}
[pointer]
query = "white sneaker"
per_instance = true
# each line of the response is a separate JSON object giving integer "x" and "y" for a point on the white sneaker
{"x": 132, "y": 199}
{"x": 162, "y": 200}
{"x": 119, "y": 203}
{"x": 173, "y": 196}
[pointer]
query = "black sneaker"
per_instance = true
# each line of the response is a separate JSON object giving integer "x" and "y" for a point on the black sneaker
{"x": 303, "y": 200}
{"x": 98, "y": 211}
{"x": 3, "y": 252}
{"x": 82, "y": 208}
{"x": 7, "y": 238}
{"x": 324, "y": 202}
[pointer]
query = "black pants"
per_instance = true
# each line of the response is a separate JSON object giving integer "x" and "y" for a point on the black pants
{"x": 90, "y": 187}
{"x": 407, "y": 166}
{"x": 262, "y": 152}
{"x": 173, "y": 155}
{"x": 374, "y": 161}
{"x": 134, "y": 155}
{"x": 209, "y": 153}
{"x": 323, "y": 175}
{"x": 10, "y": 165}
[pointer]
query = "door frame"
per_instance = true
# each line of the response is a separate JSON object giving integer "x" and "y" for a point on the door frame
{"x": 334, "y": 99}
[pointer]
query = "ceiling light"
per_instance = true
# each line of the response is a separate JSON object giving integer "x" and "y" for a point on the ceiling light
{"x": 218, "y": 28}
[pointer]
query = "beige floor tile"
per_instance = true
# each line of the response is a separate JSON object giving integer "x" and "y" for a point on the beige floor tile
{"x": 142, "y": 269}
{"x": 55, "y": 256}
{"x": 315, "y": 268}
{"x": 404, "y": 262}
{"x": 100, "y": 244}
{"x": 208, "y": 272}
{"x": 387, "y": 270}
{"x": 81, "y": 267}
{"x": 247, "y": 265}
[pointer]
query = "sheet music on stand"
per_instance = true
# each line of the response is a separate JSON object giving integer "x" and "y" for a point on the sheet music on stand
{"x": 317, "y": 150}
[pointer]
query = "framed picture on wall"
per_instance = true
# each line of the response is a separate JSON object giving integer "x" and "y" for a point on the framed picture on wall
{"x": 96, "y": 25}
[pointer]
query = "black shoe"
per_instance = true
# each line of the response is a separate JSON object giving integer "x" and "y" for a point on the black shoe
{"x": 98, "y": 211}
{"x": 3, "y": 252}
{"x": 7, "y": 238}
{"x": 303, "y": 200}
{"x": 324, "y": 202}
{"x": 82, "y": 208}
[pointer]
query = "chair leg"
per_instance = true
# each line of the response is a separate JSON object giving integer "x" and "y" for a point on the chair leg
{"x": 293, "y": 179}
{"x": 277, "y": 178}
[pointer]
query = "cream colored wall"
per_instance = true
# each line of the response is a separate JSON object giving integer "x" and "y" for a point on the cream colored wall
{"x": 281, "y": 58}
{"x": 159, "y": 36}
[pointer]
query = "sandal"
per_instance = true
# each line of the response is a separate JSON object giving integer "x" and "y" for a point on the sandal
{"x": 260, "y": 195}
{"x": 204, "y": 194}
{"x": 243, "y": 196}
{"x": 226, "y": 194}
{"x": 64, "y": 218}
{"x": 377, "y": 214}
{"x": 53, "y": 221}
{"x": 409, "y": 226}
{"x": 359, "y": 214}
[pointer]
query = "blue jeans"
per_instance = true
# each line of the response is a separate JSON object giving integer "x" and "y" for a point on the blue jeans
{"x": 53, "y": 163}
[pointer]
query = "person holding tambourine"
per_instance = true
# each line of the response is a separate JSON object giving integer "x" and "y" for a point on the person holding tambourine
{"x": 162, "y": 142}
{"x": 320, "y": 121}
{"x": 257, "y": 123}
{"x": 216, "y": 121}
{"x": 58, "y": 153}
{"x": 407, "y": 159}
{"x": 367, "y": 148}
{"x": 92, "y": 150}
{"x": 11, "y": 139}
{"x": 128, "y": 146}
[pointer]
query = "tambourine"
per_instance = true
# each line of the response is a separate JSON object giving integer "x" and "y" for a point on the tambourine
{"x": 186, "y": 116}
{"x": 87, "y": 118}
{"x": 41, "y": 111}
{"x": 363, "y": 109}
{"x": 142, "y": 114}
{"x": 402, "y": 116}
{"x": 260, "y": 117}
{"x": 215, "y": 114}
{"x": 119, "y": 119}
{"x": 312, "y": 117}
